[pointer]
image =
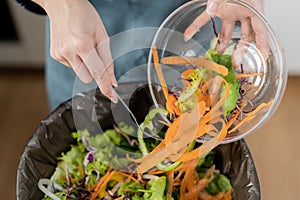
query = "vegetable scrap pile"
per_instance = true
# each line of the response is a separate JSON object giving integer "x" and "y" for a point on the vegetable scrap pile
{"x": 85, "y": 172}
{"x": 209, "y": 104}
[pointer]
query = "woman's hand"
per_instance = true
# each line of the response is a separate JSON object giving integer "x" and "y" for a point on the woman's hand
{"x": 78, "y": 39}
{"x": 251, "y": 26}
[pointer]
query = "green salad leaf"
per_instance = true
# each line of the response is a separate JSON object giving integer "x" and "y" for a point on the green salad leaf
{"x": 220, "y": 183}
{"x": 155, "y": 189}
{"x": 225, "y": 60}
{"x": 131, "y": 189}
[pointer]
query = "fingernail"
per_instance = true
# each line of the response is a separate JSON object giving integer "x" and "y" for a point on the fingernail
{"x": 237, "y": 57}
{"x": 115, "y": 83}
{"x": 114, "y": 98}
{"x": 188, "y": 36}
{"x": 220, "y": 47}
{"x": 212, "y": 9}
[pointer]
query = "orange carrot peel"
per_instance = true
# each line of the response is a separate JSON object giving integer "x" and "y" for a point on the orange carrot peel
{"x": 188, "y": 126}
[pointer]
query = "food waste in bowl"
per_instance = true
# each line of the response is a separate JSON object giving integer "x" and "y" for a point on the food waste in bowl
{"x": 240, "y": 86}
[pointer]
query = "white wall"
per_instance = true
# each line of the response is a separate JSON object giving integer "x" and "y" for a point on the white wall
{"x": 284, "y": 18}
{"x": 29, "y": 51}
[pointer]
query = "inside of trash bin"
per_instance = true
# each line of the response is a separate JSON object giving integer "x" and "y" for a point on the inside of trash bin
{"x": 93, "y": 110}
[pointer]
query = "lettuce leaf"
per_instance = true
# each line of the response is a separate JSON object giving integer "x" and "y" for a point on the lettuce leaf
{"x": 220, "y": 183}
{"x": 225, "y": 60}
{"x": 155, "y": 189}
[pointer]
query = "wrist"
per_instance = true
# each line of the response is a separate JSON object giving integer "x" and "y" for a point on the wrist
{"x": 47, "y": 4}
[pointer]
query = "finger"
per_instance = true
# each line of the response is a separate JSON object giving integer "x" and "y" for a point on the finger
{"x": 103, "y": 50}
{"x": 247, "y": 31}
{"x": 246, "y": 38}
{"x": 213, "y": 6}
{"x": 80, "y": 69}
{"x": 76, "y": 64}
{"x": 225, "y": 35}
{"x": 58, "y": 57}
{"x": 66, "y": 63}
{"x": 62, "y": 61}
{"x": 106, "y": 86}
{"x": 261, "y": 36}
{"x": 99, "y": 73}
{"x": 54, "y": 46}
{"x": 192, "y": 29}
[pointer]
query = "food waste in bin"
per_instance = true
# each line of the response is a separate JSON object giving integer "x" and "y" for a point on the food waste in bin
{"x": 181, "y": 166}
{"x": 63, "y": 157}
{"x": 87, "y": 172}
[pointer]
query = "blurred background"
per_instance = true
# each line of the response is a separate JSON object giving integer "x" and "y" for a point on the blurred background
{"x": 23, "y": 102}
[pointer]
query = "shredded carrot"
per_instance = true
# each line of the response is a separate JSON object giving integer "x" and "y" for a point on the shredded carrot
{"x": 185, "y": 74}
{"x": 164, "y": 123}
{"x": 179, "y": 138}
{"x": 160, "y": 73}
{"x": 188, "y": 178}
{"x": 101, "y": 185}
{"x": 182, "y": 132}
{"x": 155, "y": 171}
{"x": 202, "y": 61}
{"x": 185, "y": 77}
{"x": 176, "y": 60}
{"x": 251, "y": 115}
{"x": 199, "y": 62}
{"x": 80, "y": 170}
{"x": 171, "y": 106}
{"x": 233, "y": 119}
{"x": 221, "y": 196}
{"x": 203, "y": 96}
{"x": 131, "y": 178}
{"x": 172, "y": 132}
{"x": 227, "y": 195}
{"x": 191, "y": 185}
{"x": 238, "y": 76}
{"x": 205, "y": 148}
{"x": 170, "y": 176}
{"x": 214, "y": 111}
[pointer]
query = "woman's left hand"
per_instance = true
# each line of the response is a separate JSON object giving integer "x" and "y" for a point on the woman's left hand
{"x": 251, "y": 26}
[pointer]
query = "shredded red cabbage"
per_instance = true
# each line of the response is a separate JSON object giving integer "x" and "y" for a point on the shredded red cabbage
{"x": 89, "y": 157}
{"x": 243, "y": 94}
{"x": 215, "y": 29}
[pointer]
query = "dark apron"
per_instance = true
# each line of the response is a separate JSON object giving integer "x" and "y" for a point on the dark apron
{"x": 125, "y": 22}
{"x": 123, "y": 15}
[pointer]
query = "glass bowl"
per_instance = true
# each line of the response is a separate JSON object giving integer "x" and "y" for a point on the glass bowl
{"x": 268, "y": 86}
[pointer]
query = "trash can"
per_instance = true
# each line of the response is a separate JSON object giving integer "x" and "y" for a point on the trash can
{"x": 92, "y": 110}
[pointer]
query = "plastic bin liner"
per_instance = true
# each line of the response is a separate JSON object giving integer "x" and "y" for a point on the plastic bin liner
{"x": 91, "y": 109}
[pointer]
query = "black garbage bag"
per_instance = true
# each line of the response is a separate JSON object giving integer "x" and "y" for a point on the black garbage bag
{"x": 93, "y": 111}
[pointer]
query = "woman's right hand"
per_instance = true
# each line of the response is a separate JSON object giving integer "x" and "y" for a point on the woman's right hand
{"x": 78, "y": 39}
